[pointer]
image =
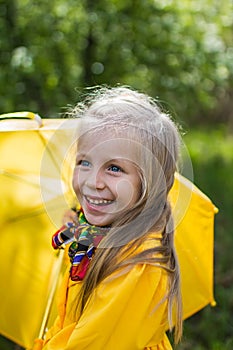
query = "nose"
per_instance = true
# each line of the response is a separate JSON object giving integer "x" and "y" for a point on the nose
{"x": 95, "y": 180}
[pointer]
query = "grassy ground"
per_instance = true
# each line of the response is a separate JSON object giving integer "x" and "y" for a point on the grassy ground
{"x": 211, "y": 153}
{"x": 6, "y": 344}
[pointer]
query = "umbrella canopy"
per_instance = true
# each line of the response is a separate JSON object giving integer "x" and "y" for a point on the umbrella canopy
{"x": 32, "y": 203}
{"x": 35, "y": 171}
{"x": 193, "y": 214}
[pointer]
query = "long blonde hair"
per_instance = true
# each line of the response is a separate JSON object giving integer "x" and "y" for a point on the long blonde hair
{"x": 137, "y": 117}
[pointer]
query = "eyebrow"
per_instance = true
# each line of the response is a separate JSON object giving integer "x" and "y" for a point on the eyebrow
{"x": 80, "y": 154}
{"x": 121, "y": 159}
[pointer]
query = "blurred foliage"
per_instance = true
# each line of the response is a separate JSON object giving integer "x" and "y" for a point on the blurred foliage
{"x": 178, "y": 51}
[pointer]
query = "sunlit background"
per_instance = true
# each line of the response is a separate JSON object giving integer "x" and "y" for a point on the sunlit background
{"x": 180, "y": 52}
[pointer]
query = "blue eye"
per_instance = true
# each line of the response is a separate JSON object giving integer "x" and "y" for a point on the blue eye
{"x": 84, "y": 163}
{"x": 114, "y": 168}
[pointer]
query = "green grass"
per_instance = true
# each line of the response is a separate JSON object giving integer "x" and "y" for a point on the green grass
{"x": 6, "y": 344}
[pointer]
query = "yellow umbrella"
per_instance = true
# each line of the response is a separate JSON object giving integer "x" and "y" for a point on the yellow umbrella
{"x": 32, "y": 202}
{"x": 194, "y": 215}
{"x": 34, "y": 168}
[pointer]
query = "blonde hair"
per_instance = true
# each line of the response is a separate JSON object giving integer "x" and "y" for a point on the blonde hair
{"x": 137, "y": 117}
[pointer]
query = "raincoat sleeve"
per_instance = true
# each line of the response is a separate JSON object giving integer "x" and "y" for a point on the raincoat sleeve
{"x": 126, "y": 312}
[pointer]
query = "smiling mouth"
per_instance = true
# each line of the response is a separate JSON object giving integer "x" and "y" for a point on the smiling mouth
{"x": 98, "y": 201}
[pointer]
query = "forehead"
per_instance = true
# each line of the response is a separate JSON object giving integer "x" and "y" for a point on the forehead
{"x": 107, "y": 144}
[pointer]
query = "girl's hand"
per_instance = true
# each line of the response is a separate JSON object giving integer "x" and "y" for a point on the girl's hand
{"x": 70, "y": 216}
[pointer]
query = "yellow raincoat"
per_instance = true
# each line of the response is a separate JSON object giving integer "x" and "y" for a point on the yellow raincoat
{"x": 127, "y": 312}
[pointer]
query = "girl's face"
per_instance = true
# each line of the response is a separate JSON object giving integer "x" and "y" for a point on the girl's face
{"x": 105, "y": 179}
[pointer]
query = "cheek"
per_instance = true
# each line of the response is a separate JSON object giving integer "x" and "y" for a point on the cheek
{"x": 127, "y": 192}
{"x": 76, "y": 181}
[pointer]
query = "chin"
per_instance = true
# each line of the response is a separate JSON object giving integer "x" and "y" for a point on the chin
{"x": 97, "y": 221}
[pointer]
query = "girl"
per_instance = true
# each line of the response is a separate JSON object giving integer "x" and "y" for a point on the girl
{"x": 122, "y": 290}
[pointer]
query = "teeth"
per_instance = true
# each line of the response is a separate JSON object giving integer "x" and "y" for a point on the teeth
{"x": 98, "y": 201}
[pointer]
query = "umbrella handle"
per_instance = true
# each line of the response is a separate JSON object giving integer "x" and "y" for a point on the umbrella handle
{"x": 50, "y": 299}
{"x": 22, "y": 115}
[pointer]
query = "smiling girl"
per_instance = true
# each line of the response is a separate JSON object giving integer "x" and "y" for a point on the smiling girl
{"x": 106, "y": 178}
{"x": 122, "y": 291}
